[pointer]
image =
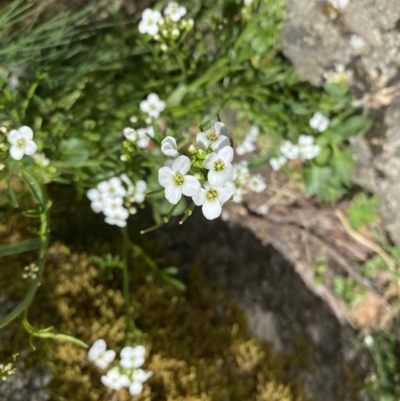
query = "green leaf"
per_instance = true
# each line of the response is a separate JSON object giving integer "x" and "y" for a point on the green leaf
{"x": 12, "y": 198}
{"x": 170, "y": 270}
{"x": 175, "y": 283}
{"x": 74, "y": 151}
{"x": 20, "y": 247}
{"x": 33, "y": 185}
{"x": 352, "y": 127}
{"x": 362, "y": 211}
{"x": 33, "y": 213}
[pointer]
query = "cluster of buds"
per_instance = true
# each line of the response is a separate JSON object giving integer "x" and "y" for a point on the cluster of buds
{"x": 127, "y": 372}
{"x": 30, "y": 271}
{"x": 6, "y": 370}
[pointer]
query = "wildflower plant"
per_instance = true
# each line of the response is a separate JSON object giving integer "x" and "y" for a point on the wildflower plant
{"x": 114, "y": 110}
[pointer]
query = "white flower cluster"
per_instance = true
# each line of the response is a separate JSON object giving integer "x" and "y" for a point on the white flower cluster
{"x": 304, "y": 150}
{"x": 248, "y": 145}
{"x": 154, "y": 24}
{"x": 30, "y": 271}
{"x": 211, "y": 184}
{"x": 127, "y": 373}
{"x": 141, "y": 136}
{"x": 243, "y": 181}
{"x": 110, "y": 197}
{"x": 21, "y": 141}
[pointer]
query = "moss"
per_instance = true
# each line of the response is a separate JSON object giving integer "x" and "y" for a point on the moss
{"x": 199, "y": 348}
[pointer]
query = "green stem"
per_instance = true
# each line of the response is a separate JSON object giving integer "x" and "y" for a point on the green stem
{"x": 130, "y": 323}
{"x": 25, "y": 303}
{"x": 157, "y": 191}
{"x": 188, "y": 212}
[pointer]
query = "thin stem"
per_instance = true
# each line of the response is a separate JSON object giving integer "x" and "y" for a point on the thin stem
{"x": 188, "y": 212}
{"x": 130, "y": 323}
{"x": 157, "y": 191}
{"x": 168, "y": 216}
{"x": 147, "y": 230}
{"x": 25, "y": 303}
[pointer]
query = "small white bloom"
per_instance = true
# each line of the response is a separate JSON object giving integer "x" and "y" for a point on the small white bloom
{"x": 41, "y": 159}
{"x": 130, "y": 134}
{"x": 117, "y": 217}
{"x": 169, "y": 147}
{"x": 152, "y": 106}
{"x": 369, "y": 340}
{"x": 133, "y": 119}
{"x": 21, "y": 142}
{"x": 139, "y": 375}
{"x": 130, "y": 188}
{"x": 212, "y": 198}
{"x": 305, "y": 140}
{"x": 139, "y": 190}
{"x": 289, "y": 150}
{"x": 132, "y": 357}
{"x": 339, "y": 4}
{"x": 99, "y": 355}
{"x": 217, "y": 137}
{"x": 257, "y": 183}
{"x": 241, "y": 172}
{"x": 135, "y": 388}
{"x": 309, "y": 152}
{"x": 149, "y": 22}
{"x": 356, "y": 42}
{"x": 174, "y": 11}
{"x": 253, "y": 132}
{"x": 111, "y": 188}
{"x": 247, "y": 146}
{"x": 97, "y": 200}
{"x": 277, "y": 162}
{"x": 176, "y": 182}
{"x": 225, "y": 215}
{"x": 112, "y": 205}
{"x": 219, "y": 166}
{"x": 263, "y": 210}
{"x": 319, "y": 122}
{"x": 114, "y": 380}
{"x": 147, "y": 120}
{"x": 144, "y": 135}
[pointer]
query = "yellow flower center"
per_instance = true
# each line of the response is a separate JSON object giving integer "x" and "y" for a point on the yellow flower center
{"x": 211, "y": 194}
{"x": 21, "y": 143}
{"x": 219, "y": 165}
{"x": 212, "y": 135}
{"x": 178, "y": 179}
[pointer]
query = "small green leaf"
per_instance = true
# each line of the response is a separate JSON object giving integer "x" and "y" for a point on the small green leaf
{"x": 12, "y": 198}
{"x": 362, "y": 211}
{"x": 33, "y": 185}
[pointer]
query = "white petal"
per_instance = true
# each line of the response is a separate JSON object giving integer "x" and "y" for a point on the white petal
{"x": 165, "y": 175}
{"x": 141, "y": 186}
{"x": 225, "y": 193}
{"x": 30, "y": 148}
{"x": 191, "y": 186}
{"x": 220, "y": 143}
{"x": 209, "y": 160}
{"x": 141, "y": 376}
{"x": 202, "y": 140}
{"x": 139, "y": 197}
{"x": 109, "y": 356}
{"x": 226, "y": 154}
{"x": 181, "y": 164}
{"x": 200, "y": 197}
{"x": 16, "y": 152}
{"x": 93, "y": 194}
{"x": 135, "y": 388}
{"x": 173, "y": 193}
{"x": 26, "y": 132}
{"x": 212, "y": 209}
{"x": 13, "y": 136}
{"x": 219, "y": 178}
{"x": 144, "y": 106}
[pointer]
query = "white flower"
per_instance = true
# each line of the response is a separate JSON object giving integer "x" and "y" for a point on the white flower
{"x": 41, "y": 159}
{"x": 99, "y": 355}
{"x": 248, "y": 2}
{"x": 212, "y": 198}
{"x": 289, "y": 150}
{"x": 241, "y": 172}
{"x": 139, "y": 191}
{"x": 238, "y": 194}
{"x": 356, "y": 42}
{"x": 130, "y": 134}
{"x": 133, "y": 119}
{"x": 225, "y": 215}
{"x": 305, "y": 140}
{"x": 339, "y": 4}
{"x": 217, "y": 136}
{"x": 132, "y": 357}
{"x": 219, "y": 166}
{"x": 174, "y": 11}
{"x": 176, "y": 182}
{"x": 144, "y": 136}
{"x": 263, "y": 210}
{"x": 169, "y": 147}
{"x": 152, "y": 106}
{"x": 257, "y": 183}
{"x": 112, "y": 205}
{"x": 117, "y": 217}
{"x": 139, "y": 375}
{"x": 369, "y": 340}
{"x": 111, "y": 188}
{"x": 97, "y": 199}
{"x": 253, "y": 132}
{"x": 319, "y": 122}
{"x": 135, "y": 388}
{"x": 277, "y": 162}
{"x": 309, "y": 152}
{"x": 115, "y": 380}
{"x": 21, "y": 142}
{"x": 247, "y": 146}
{"x": 149, "y": 22}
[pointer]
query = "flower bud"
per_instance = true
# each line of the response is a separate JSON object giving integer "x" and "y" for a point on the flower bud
{"x": 198, "y": 164}
{"x": 175, "y": 33}
{"x": 164, "y": 48}
{"x": 190, "y": 23}
{"x": 201, "y": 154}
{"x": 192, "y": 149}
